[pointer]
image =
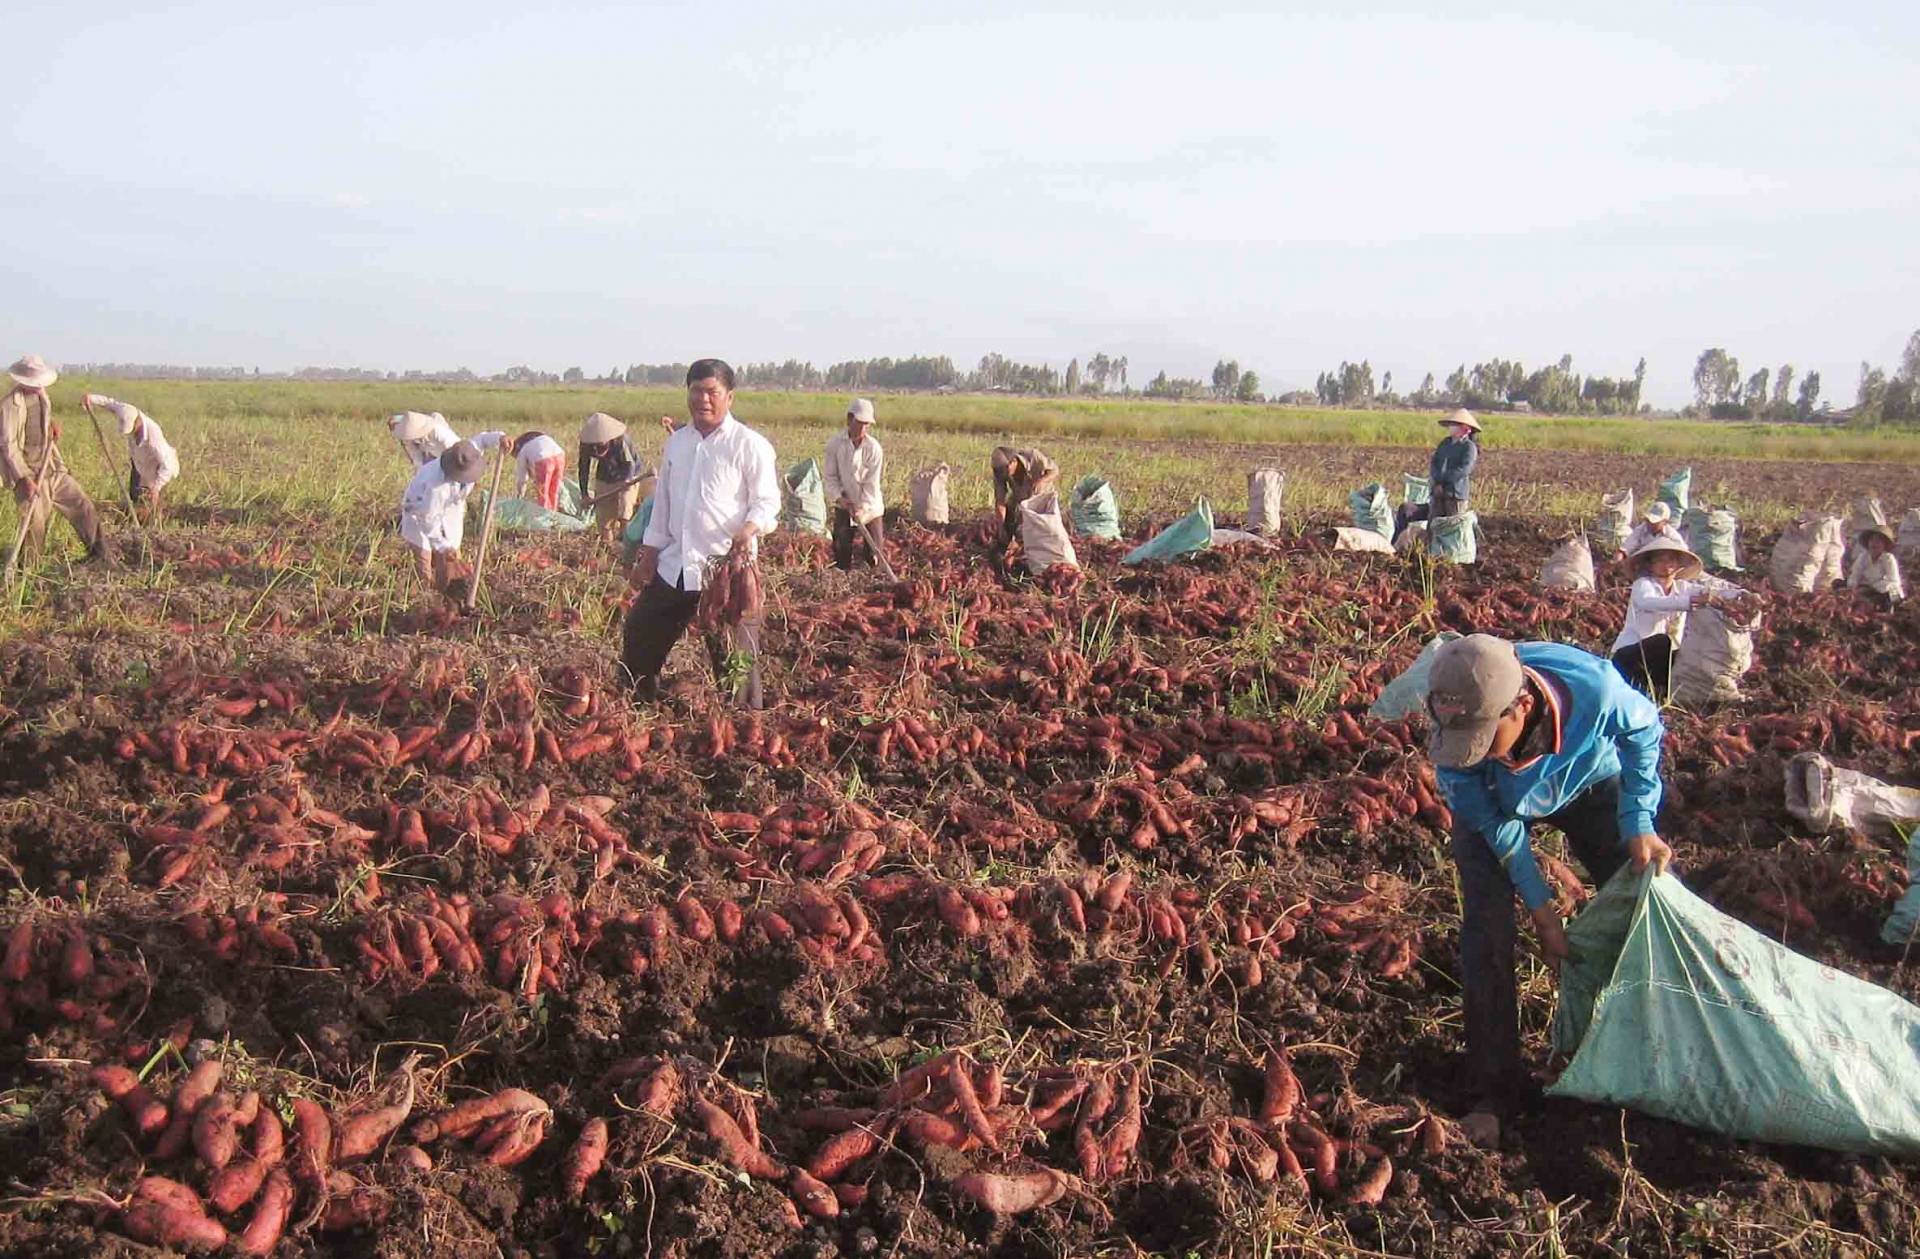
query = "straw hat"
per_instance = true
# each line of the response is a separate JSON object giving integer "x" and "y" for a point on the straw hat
{"x": 1462, "y": 416}
{"x": 462, "y": 463}
{"x": 1658, "y": 513}
{"x": 1661, "y": 542}
{"x": 601, "y": 427}
{"x": 1877, "y": 527}
{"x": 861, "y": 410}
{"x": 412, "y": 426}
{"x": 33, "y": 372}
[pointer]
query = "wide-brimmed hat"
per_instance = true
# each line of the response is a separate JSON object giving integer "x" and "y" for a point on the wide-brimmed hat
{"x": 601, "y": 427}
{"x": 1883, "y": 531}
{"x": 413, "y": 426}
{"x": 1462, "y": 416}
{"x": 33, "y": 372}
{"x": 462, "y": 463}
{"x": 1473, "y": 682}
{"x": 1663, "y": 542}
{"x": 1657, "y": 513}
{"x": 861, "y": 410}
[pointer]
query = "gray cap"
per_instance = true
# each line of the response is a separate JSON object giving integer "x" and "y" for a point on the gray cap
{"x": 1474, "y": 681}
{"x": 861, "y": 410}
{"x": 462, "y": 462}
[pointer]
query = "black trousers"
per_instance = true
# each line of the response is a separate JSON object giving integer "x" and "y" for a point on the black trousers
{"x": 1438, "y": 505}
{"x": 1647, "y": 665}
{"x": 845, "y": 531}
{"x": 1591, "y": 824}
{"x": 655, "y": 623}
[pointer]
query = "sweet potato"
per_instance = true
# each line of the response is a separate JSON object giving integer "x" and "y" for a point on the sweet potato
{"x": 1013, "y": 1193}
{"x": 76, "y": 960}
{"x": 695, "y": 922}
{"x": 142, "y": 1108}
{"x": 216, "y": 1131}
{"x": 1372, "y": 1185}
{"x": 522, "y": 1139}
{"x": 1117, "y": 1150}
{"x": 923, "y": 1127}
{"x": 162, "y": 1225}
{"x": 464, "y": 1119}
{"x": 585, "y": 1158}
{"x": 972, "y": 1113}
{"x": 269, "y": 1217}
{"x": 19, "y": 957}
{"x": 410, "y": 1156}
{"x": 840, "y": 1152}
{"x": 1282, "y": 1093}
{"x": 312, "y": 1145}
{"x": 362, "y": 1134}
{"x": 814, "y": 1198}
{"x": 734, "y": 1146}
{"x": 195, "y": 1089}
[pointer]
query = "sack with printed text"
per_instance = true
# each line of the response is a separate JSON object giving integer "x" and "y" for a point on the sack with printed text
{"x": 803, "y": 498}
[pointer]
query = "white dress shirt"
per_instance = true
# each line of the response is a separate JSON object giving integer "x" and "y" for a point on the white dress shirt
{"x": 855, "y": 472}
{"x": 541, "y": 447}
{"x": 709, "y": 488}
{"x": 1652, "y": 609}
{"x": 433, "y": 511}
{"x": 424, "y": 450}
{"x": 152, "y": 456}
{"x": 1881, "y": 574}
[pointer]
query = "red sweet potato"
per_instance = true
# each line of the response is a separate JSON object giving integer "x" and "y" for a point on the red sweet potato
{"x": 734, "y": 1146}
{"x": 840, "y": 1152}
{"x": 585, "y": 1158}
{"x": 464, "y": 1119}
{"x": 269, "y": 1217}
{"x": 167, "y": 1213}
{"x": 410, "y": 1156}
{"x": 1372, "y": 1185}
{"x": 19, "y": 957}
{"x": 1282, "y": 1095}
{"x": 362, "y": 1134}
{"x": 216, "y": 1131}
{"x": 814, "y": 1198}
{"x": 1012, "y": 1193}
{"x": 143, "y": 1109}
{"x": 312, "y": 1145}
{"x": 195, "y": 1089}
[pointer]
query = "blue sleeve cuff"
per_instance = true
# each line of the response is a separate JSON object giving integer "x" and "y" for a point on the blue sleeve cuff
{"x": 1635, "y": 823}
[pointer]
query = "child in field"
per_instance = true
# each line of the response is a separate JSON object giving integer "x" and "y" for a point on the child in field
{"x": 1876, "y": 569}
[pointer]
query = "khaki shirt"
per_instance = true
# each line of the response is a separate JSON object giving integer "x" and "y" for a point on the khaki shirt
{"x": 1037, "y": 469}
{"x": 854, "y": 472}
{"x": 23, "y": 436}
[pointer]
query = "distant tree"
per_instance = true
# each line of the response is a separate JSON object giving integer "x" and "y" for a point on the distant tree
{"x": 1226, "y": 378}
{"x": 1809, "y": 398}
{"x": 1073, "y": 376}
{"x": 1639, "y": 379}
{"x": 1386, "y": 384}
{"x": 1872, "y": 394}
{"x": 1910, "y": 360}
{"x": 1782, "y": 405}
{"x": 1248, "y": 390}
{"x": 1755, "y": 398}
{"x": 1100, "y": 370}
{"x": 573, "y": 376}
{"x": 1120, "y": 368}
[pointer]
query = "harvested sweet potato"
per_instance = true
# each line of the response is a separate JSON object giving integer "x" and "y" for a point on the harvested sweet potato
{"x": 1014, "y": 1193}
{"x": 585, "y": 1158}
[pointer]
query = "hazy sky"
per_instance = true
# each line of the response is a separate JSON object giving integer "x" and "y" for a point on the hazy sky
{"x": 483, "y": 184}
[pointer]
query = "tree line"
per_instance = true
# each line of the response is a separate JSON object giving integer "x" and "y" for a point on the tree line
{"x": 1890, "y": 400}
{"x": 1495, "y": 385}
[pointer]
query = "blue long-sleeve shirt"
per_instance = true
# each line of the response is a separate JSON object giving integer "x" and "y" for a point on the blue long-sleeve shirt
{"x": 1451, "y": 470}
{"x": 1602, "y": 727}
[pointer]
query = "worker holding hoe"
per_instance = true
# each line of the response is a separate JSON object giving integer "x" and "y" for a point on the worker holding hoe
{"x": 30, "y": 461}
{"x": 152, "y": 461}
{"x": 1018, "y": 475}
{"x": 718, "y": 489}
{"x": 619, "y": 479}
{"x": 853, "y": 466}
{"x": 1526, "y": 733}
{"x": 433, "y": 511}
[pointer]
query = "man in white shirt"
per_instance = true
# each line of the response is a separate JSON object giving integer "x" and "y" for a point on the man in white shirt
{"x": 423, "y": 435}
{"x": 853, "y": 488}
{"x": 433, "y": 511}
{"x": 718, "y": 488}
{"x": 31, "y": 466}
{"x": 1657, "y": 522}
{"x": 152, "y": 459}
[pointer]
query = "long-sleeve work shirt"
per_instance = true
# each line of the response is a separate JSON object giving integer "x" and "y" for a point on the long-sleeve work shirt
{"x": 854, "y": 472}
{"x": 433, "y": 511}
{"x": 24, "y": 420}
{"x": 709, "y": 489}
{"x": 154, "y": 458}
{"x": 1602, "y": 727}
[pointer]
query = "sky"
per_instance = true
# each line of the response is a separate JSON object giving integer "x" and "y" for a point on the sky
{"x": 433, "y": 185}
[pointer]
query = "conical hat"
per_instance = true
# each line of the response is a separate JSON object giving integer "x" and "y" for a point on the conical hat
{"x": 601, "y": 427}
{"x": 411, "y": 426}
{"x": 1666, "y": 542}
{"x": 1462, "y": 416}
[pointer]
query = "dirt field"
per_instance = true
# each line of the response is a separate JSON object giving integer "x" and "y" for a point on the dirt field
{"x": 1011, "y": 876}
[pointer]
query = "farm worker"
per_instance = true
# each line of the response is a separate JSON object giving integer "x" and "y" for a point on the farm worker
{"x": 29, "y": 441}
{"x": 1526, "y": 733}
{"x": 433, "y": 511}
{"x": 1667, "y": 584}
{"x": 423, "y": 435}
{"x": 1657, "y": 522}
{"x": 853, "y": 488}
{"x": 542, "y": 461}
{"x": 1876, "y": 570}
{"x": 1449, "y": 473}
{"x": 152, "y": 461}
{"x": 718, "y": 489}
{"x": 619, "y": 480}
{"x": 1018, "y": 475}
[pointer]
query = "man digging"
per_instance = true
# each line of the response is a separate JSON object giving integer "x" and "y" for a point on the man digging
{"x": 1526, "y": 733}
{"x": 853, "y": 466}
{"x": 151, "y": 459}
{"x": 31, "y": 463}
{"x": 433, "y": 510}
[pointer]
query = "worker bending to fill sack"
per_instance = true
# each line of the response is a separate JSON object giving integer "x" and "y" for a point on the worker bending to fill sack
{"x": 433, "y": 510}
{"x": 423, "y": 436}
{"x": 1668, "y": 582}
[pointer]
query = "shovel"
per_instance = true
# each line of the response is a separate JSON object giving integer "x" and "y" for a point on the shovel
{"x": 486, "y": 527}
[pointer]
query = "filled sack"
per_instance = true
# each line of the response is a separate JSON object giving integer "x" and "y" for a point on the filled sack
{"x": 803, "y": 498}
{"x": 1713, "y": 535}
{"x": 1345, "y": 539}
{"x": 1909, "y": 535}
{"x": 1570, "y": 567}
{"x": 1868, "y": 514}
{"x": 1454, "y": 537}
{"x": 1265, "y": 487}
{"x": 1903, "y": 924}
{"x": 1371, "y": 509}
{"x": 1674, "y": 490}
{"x": 927, "y": 495}
{"x": 635, "y": 533}
{"x": 1043, "y": 534}
{"x": 1827, "y": 798}
{"x": 1188, "y": 535}
{"x": 1615, "y": 522}
{"x": 1674, "y": 1009}
{"x": 1808, "y": 550}
{"x": 1417, "y": 490}
{"x": 1407, "y": 694}
{"x": 1716, "y": 653}
{"x": 1095, "y": 509}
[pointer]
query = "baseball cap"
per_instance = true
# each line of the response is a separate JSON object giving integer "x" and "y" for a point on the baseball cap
{"x": 1659, "y": 513}
{"x": 861, "y": 410}
{"x": 1474, "y": 680}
